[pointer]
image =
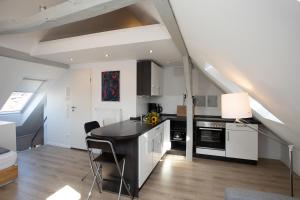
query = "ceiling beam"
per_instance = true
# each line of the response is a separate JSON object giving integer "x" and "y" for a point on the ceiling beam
{"x": 166, "y": 13}
{"x": 11, "y": 53}
{"x": 63, "y": 13}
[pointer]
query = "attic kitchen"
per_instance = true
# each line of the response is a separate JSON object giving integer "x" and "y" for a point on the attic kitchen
{"x": 159, "y": 126}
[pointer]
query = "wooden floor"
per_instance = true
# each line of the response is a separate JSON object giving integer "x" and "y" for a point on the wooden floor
{"x": 47, "y": 169}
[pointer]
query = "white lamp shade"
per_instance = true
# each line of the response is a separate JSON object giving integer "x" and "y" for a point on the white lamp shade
{"x": 236, "y": 106}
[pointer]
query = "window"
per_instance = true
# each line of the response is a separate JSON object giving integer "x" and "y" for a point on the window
{"x": 21, "y": 96}
{"x": 16, "y": 102}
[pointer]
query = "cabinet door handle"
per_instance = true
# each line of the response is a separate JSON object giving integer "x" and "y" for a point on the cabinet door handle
{"x": 228, "y": 136}
{"x": 153, "y": 145}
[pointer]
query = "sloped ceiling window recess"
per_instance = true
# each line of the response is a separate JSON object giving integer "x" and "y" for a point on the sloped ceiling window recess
{"x": 16, "y": 102}
{"x": 18, "y": 99}
{"x": 232, "y": 87}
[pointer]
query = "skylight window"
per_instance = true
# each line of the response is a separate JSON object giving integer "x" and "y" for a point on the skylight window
{"x": 232, "y": 87}
{"x": 21, "y": 96}
{"x": 257, "y": 107}
{"x": 16, "y": 102}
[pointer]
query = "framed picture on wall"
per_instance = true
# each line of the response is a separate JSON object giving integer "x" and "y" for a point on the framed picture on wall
{"x": 110, "y": 86}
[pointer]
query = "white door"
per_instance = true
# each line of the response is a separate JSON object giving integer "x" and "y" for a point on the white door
{"x": 242, "y": 144}
{"x": 80, "y": 106}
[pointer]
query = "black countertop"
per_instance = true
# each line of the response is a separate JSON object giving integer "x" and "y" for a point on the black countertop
{"x": 127, "y": 129}
{"x": 131, "y": 129}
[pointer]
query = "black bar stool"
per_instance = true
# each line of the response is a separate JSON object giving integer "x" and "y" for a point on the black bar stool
{"x": 88, "y": 127}
{"x": 108, "y": 156}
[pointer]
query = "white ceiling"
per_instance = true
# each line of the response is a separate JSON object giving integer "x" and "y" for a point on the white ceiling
{"x": 16, "y": 9}
{"x": 164, "y": 51}
{"x": 253, "y": 43}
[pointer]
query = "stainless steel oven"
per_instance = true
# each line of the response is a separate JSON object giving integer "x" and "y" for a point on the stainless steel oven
{"x": 210, "y": 135}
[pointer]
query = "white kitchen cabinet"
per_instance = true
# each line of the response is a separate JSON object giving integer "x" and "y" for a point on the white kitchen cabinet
{"x": 157, "y": 144}
{"x": 156, "y": 73}
{"x": 152, "y": 146}
{"x": 8, "y": 135}
{"x": 241, "y": 141}
{"x": 145, "y": 156}
{"x": 149, "y": 78}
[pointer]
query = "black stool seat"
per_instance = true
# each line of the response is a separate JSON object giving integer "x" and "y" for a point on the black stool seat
{"x": 89, "y": 126}
{"x": 109, "y": 157}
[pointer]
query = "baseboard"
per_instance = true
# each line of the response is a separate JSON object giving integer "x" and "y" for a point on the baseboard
{"x": 58, "y": 144}
{"x": 237, "y": 160}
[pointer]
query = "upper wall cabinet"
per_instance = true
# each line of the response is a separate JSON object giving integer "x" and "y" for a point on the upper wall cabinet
{"x": 149, "y": 78}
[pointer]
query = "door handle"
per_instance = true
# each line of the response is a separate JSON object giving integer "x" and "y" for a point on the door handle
{"x": 152, "y": 146}
{"x": 211, "y": 129}
{"x": 73, "y": 108}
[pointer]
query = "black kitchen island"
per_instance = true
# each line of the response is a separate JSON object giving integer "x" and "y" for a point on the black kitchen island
{"x": 139, "y": 142}
{"x": 124, "y": 135}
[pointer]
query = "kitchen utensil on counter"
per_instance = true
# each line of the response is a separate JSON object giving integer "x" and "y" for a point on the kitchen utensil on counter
{"x": 181, "y": 111}
{"x": 155, "y": 107}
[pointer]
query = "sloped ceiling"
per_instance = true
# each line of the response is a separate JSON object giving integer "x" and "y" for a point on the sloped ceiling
{"x": 119, "y": 19}
{"x": 253, "y": 43}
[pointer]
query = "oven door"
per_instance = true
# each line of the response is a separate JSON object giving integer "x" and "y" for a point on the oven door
{"x": 211, "y": 138}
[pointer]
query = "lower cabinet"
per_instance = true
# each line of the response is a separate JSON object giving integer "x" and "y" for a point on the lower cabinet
{"x": 242, "y": 141}
{"x": 152, "y": 146}
{"x": 145, "y": 156}
{"x": 157, "y": 145}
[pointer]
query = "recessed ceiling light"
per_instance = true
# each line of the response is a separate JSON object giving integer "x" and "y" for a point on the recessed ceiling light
{"x": 71, "y": 59}
{"x": 150, "y": 51}
{"x": 106, "y": 55}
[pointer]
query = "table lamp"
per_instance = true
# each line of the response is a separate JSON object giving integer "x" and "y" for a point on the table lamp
{"x": 237, "y": 106}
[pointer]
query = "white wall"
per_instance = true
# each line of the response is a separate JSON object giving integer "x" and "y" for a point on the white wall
{"x": 174, "y": 88}
{"x": 142, "y": 105}
{"x": 58, "y": 122}
{"x": 58, "y": 112}
{"x": 269, "y": 148}
{"x": 128, "y": 98}
{"x": 13, "y": 71}
{"x": 202, "y": 86}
